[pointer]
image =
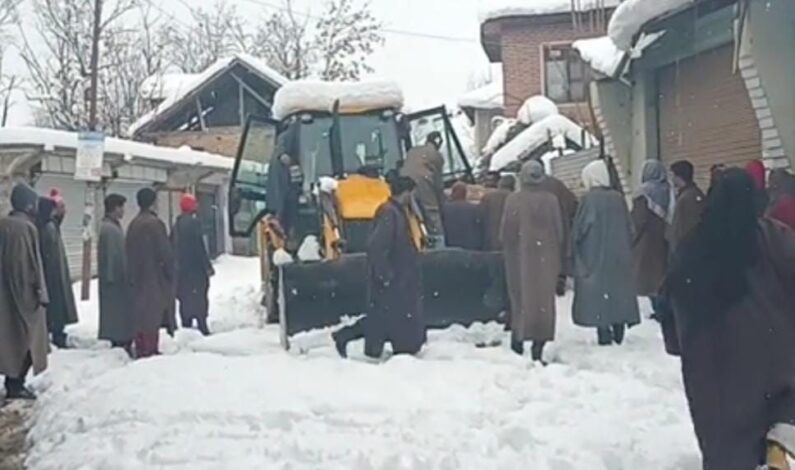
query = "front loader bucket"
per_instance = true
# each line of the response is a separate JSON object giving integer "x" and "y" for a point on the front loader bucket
{"x": 459, "y": 287}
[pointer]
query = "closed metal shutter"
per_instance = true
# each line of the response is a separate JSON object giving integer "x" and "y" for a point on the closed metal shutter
{"x": 705, "y": 114}
{"x": 568, "y": 169}
{"x": 73, "y": 193}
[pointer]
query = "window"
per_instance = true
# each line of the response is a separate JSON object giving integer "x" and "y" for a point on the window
{"x": 566, "y": 76}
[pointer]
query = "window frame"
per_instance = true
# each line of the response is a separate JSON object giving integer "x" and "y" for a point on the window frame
{"x": 568, "y": 48}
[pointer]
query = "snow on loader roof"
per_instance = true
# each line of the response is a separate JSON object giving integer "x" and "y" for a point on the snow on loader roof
{"x": 309, "y": 95}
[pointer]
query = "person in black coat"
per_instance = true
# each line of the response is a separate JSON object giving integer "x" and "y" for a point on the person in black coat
{"x": 194, "y": 268}
{"x": 463, "y": 221}
{"x": 394, "y": 282}
{"x": 285, "y": 181}
{"x": 61, "y": 310}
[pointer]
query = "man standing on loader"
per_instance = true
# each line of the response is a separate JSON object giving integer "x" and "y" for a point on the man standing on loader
{"x": 394, "y": 311}
{"x": 425, "y": 164}
{"x": 285, "y": 182}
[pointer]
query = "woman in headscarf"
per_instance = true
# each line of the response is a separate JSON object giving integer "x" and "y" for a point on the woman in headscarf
{"x": 782, "y": 197}
{"x": 730, "y": 289}
{"x": 605, "y": 296}
{"x": 533, "y": 245}
{"x": 651, "y": 215}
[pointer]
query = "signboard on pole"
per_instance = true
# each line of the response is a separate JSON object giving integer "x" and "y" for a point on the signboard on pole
{"x": 90, "y": 156}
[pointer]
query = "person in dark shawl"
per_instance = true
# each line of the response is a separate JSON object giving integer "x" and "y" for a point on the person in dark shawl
{"x": 568, "y": 210}
{"x": 394, "y": 292}
{"x": 425, "y": 165}
{"x": 605, "y": 296}
{"x": 285, "y": 181}
{"x": 115, "y": 309}
{"x": 61, "y": 310}
{"x": 533, "y": 237}
{"x": 689, "y": 203}
{"x": 151, "y": 271}
{"x": 492, "y": 207}
{"x": 731, "y": 297}
{"x": 652, "y": 211}
{"x": 782, "y": 197}
{"x": 756, "y": 169}
{"x": 23, "y": 296}
{"x": 194, "y": 268}
{"x": 463, "y": 221}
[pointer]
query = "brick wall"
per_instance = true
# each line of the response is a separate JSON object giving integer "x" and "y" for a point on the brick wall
{"x": 218, "y": 140}
{"x": 521, "y": 42}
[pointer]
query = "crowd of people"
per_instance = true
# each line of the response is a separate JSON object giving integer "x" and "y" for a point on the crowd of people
{"x": 719, "y": 270}
{"x": 141, "y": 274}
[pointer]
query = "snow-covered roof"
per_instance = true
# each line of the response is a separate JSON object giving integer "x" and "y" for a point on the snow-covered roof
{"x": 630, "y": 17}
{"x": 192, "y": 82}
{"x": 311, "y": 95}
{"x": 601, "y": 54}
{"x": 128, "y": 149}
{"x": 164, "y": 86}
{"x": 498, "y": 136}
{"x": 533, "y": 137}
{"x": 490, "y": 96}
{"x": 535, "y": 109}
{"x": 495, "y": 9}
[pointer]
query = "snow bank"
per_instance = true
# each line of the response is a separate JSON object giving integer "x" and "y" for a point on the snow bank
{"x": 601, "y": 54}
{"x": 495, "y": 9}
{"x": 490, "y": 96}
{"x": 498, "y": 136}
{"x": 309, "y": 249}
{"x": 51, "y": 138}
{"x": 309, "y": 95}
{"x": 535, "y": 109}
{"x": 236, "y": 400}
{"x": 536, "y": 135}
{"x": 192, "y": 82}
{"x": 630, "y": 17}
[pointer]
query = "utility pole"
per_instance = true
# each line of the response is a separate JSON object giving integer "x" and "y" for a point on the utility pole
{"x": 90, "y": 193}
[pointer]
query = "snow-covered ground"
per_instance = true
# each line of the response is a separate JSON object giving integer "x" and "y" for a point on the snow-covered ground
{"x": 236, "y": 400}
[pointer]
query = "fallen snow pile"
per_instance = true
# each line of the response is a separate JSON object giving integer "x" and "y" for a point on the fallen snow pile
{"x": 495, "y": 9}
{"x": 555, "y": 127}
{"x": 309, "y": 95}
{"x": 499, "y": 135}
{"x": 601, "y": 54}
{"x": 536, "y": 109}
{"x": 282, "y": 258}
{"x": 490, "y": 96}
{"x": 309, "y": 249}
{"x": 236, "y": 400}
{"x": 632, "y": 15}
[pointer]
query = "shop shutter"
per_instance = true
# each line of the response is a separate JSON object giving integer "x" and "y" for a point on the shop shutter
{"x": 705, "y": 114}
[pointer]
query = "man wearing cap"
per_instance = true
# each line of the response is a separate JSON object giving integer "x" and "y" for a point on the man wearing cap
{"x": 394, "y": 311}
{"x": 23, "y": 296}
{"x": 150, "y": 267}
{"x": 115, "y": 313}
{"x": 425, "y": 165}
{"x": 193, "y": 266}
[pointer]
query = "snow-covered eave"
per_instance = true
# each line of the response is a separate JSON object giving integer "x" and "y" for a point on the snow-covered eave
{"x": 633, "y": 17}
{"x": 489, "y": 97}
{"x": 128, "y": 151}
{"x": 163, "y": 110}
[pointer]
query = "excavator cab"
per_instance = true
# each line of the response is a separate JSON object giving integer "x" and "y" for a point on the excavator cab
{"x": 345, "y": 149}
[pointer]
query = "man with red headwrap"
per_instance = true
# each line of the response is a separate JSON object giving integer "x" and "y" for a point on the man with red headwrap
{"x": 193, "y": 266}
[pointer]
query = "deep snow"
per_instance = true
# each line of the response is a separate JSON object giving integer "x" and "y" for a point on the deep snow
{"x": 237, "y": 400}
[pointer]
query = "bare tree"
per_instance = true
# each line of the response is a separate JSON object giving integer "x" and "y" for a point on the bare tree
{"x": 284, "y": 41}
{"x": 213, "y": 34}
{"x": 132, "y": 50}
{"x": 346, "y": 36}
{"x": 8, "y": 83}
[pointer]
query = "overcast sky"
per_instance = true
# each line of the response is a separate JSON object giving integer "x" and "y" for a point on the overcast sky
{"x": 431, "y": 71}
